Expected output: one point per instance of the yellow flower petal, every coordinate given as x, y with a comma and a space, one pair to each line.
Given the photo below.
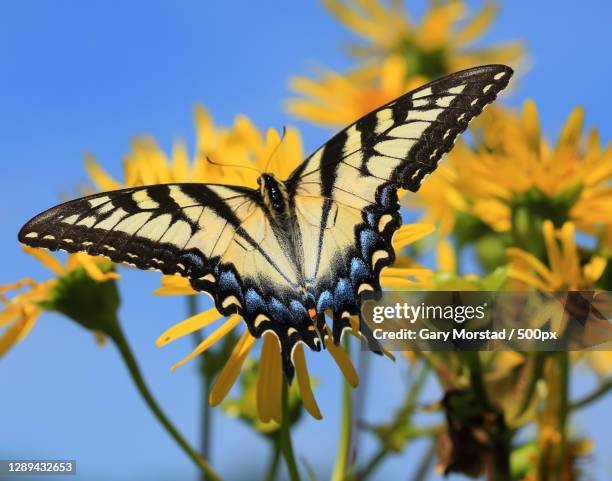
534, 263
570, 135
478, 24
31, 314
10, 335
356, 22
527, 279
275, 386
10, 313
344, 363
99, 176
531, 126
436, 28
244, 128
570, 261
211, 339
228, 375
446, 256
397, 282
406, 272
554, 254
188, 326
205, 130
303, 380
174, 286
46, 259
393, 74
180, 162
595, 268
26, 281
408, 234
93, 271
18, 330
269, 380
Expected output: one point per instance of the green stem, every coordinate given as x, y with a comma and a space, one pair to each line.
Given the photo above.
285, 434
344, 443
130, 361
594, 396
359, 398
472, 359
563, 408
423, 468
373, 463
206, 418
274, 460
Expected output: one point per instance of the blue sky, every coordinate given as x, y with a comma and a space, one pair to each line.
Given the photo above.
89, 76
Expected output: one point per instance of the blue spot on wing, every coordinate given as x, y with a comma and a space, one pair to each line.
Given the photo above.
325, 301
343, 294
367, 241
228, 281
298, 310
359, 271
254, 302
386, 196
278, 310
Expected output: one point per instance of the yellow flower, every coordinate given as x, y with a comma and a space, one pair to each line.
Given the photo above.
432, 47
243, 145
339, 99
564, 270
400, 55
512, 170
20, 313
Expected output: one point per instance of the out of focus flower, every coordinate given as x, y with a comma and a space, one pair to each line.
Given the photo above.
497, 192
432, 47
513, 172
399, 55
338, 99
564, 270
21, 312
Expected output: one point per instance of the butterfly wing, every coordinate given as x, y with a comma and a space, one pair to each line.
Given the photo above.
176, 229
217, 236
345, 193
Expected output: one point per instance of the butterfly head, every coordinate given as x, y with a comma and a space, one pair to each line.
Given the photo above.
273, 192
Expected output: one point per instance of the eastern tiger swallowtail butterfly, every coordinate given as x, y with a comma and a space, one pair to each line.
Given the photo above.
285, 253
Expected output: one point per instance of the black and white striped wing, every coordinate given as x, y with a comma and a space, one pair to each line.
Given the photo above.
345, 193
176, 229
217, 236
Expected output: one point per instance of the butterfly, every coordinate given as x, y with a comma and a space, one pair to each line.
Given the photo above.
284, 254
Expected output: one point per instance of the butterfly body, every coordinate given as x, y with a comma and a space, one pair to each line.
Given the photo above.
291, 251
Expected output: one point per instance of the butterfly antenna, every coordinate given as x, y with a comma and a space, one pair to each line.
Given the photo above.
282, 138
237, 166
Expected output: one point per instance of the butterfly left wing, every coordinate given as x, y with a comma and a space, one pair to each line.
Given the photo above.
219, 237
345, 193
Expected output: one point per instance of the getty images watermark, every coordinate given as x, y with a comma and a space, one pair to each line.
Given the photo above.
478, 321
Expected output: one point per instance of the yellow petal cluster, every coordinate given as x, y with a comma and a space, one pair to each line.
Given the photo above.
510, 157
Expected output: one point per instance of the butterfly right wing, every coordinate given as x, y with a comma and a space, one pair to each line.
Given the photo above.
345, 194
